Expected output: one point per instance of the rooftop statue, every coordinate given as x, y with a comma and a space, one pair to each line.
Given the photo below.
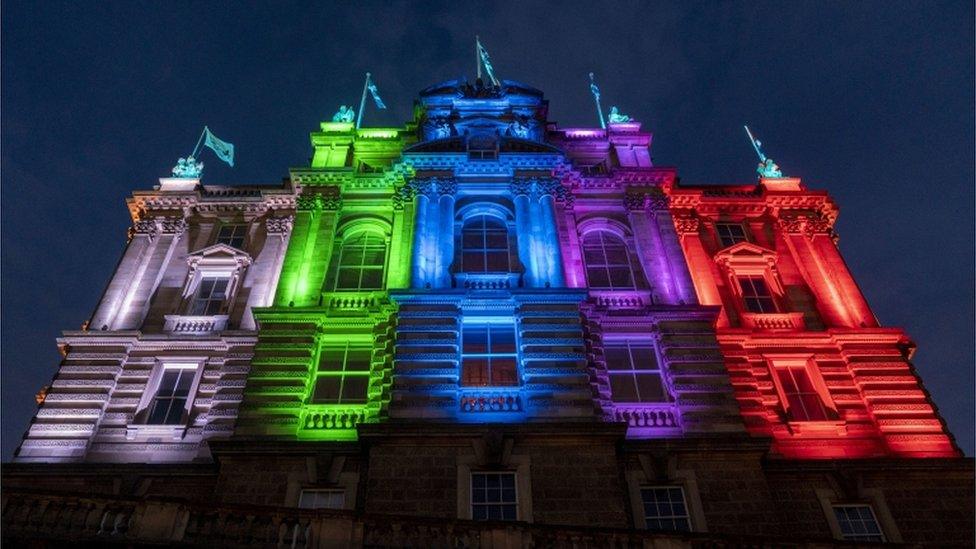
519, 127
344, 114
188, 168
766, 167
615, 117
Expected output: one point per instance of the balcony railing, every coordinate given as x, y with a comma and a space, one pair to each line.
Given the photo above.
195, 325
334, 417
773, 321
653, 416
491, 401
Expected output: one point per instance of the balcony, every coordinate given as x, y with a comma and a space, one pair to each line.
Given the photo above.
333, 421
195, 325
490, 400
779, 322
648, 419
622, 299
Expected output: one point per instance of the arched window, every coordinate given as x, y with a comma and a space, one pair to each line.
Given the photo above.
362, 259
607, 261
484, 245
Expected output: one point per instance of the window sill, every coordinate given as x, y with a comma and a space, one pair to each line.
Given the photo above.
145, 432
190, 324
818, 428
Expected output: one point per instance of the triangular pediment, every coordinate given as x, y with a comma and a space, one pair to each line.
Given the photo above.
745, 251
219, 250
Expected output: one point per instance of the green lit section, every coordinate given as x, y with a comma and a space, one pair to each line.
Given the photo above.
294, 389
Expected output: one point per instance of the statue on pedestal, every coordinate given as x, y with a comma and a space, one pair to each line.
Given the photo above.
188, 168
344, 114
615, 117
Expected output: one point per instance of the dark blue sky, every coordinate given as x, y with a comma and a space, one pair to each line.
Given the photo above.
873, 101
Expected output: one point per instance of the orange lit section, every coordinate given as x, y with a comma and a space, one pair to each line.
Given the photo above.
810, 365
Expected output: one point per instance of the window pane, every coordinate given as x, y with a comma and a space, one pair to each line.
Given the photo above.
473, 262
650, 387
354, 389
502, 340
496, 262
475, 339
372, 279
620, 277
598, 277
327, 390
643, 358
503, 371
623, 388
375, 257
358, 360
474, 371
617, 358
331, 359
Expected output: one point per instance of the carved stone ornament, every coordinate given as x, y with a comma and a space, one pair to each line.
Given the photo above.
316, 201
653, 200
686, 224
808, 225
280, 225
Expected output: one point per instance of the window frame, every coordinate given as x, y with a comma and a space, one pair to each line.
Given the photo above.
221, 306
807, 362
684, 501
628, 344
303, 491
319, 373
606, 265
365, 233
143, 410
734, 239
859, 537
243, 226
744, 299
484, 250
488, 355
515, 487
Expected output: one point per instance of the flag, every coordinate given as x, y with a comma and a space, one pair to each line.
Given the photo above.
376, 96
593, 89
487, 63
223, 149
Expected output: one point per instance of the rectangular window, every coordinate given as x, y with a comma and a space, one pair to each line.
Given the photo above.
730, 233
232, 235
174, 390
858, 523
210, 296
493, 496
755, 294
665, 508
489, 355
322, 499
802, 401
635, 375
343, 375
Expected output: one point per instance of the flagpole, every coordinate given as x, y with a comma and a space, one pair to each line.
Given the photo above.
596, 99
362, 102
204, 132
477, 54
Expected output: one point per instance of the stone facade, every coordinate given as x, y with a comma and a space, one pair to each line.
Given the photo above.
481, 329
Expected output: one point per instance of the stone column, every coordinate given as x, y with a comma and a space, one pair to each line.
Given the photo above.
830, 302
523, 229
701, 266
445, 233
421, 253
147, 276
857, 306
554, 263
650, 251
142, 239
264, 273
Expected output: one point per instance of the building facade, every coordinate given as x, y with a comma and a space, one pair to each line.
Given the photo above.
483, 329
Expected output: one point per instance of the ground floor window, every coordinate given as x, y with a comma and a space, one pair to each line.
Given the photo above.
858, 523
665, 508
322, 499
494, 496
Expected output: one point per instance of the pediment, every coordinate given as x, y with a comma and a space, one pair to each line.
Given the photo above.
219, 254
745, 252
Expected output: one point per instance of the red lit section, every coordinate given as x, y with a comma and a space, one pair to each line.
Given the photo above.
810, 365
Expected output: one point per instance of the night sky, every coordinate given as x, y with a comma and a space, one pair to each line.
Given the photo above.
873, 101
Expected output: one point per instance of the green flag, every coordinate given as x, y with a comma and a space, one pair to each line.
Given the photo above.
223, 149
